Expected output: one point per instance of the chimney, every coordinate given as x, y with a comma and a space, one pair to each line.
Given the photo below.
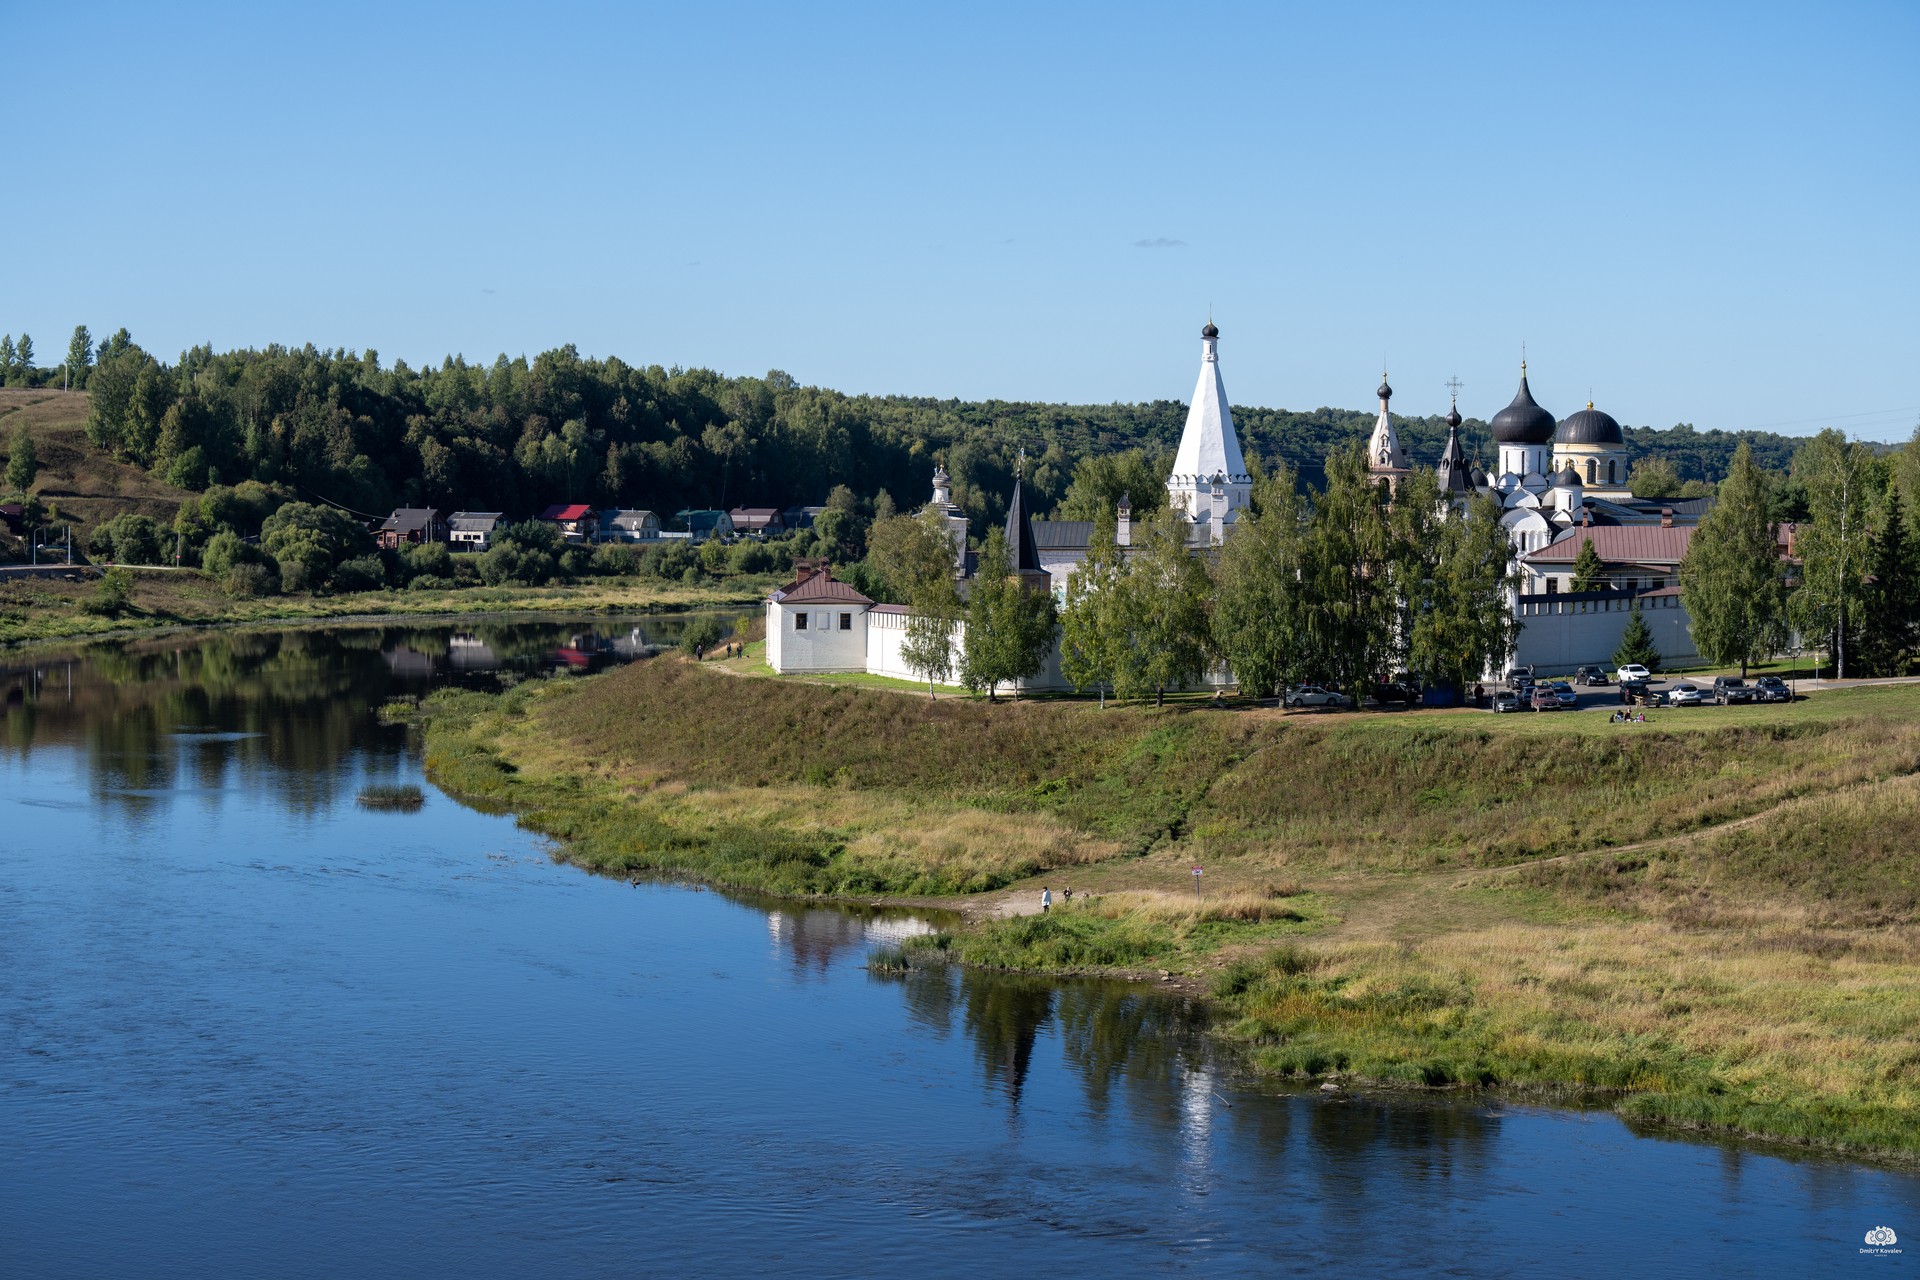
1666, 517
1123, 528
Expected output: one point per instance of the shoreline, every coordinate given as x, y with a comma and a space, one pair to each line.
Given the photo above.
1320, 981
533, 602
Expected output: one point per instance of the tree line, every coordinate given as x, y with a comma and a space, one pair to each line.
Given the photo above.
342, 427
1343, 583
1845, 577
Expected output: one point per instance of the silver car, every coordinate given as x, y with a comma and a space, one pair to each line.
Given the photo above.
1312, 695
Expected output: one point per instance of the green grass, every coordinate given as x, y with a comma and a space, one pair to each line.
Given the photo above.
1755, 979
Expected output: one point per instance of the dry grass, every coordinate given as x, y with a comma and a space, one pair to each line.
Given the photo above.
86, 485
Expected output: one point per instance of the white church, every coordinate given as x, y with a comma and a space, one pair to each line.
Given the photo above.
1558, 484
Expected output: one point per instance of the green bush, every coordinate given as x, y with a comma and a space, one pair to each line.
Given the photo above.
250, 579
127, 539
703, 634
362, 573
112, 594
612, 560
426, 559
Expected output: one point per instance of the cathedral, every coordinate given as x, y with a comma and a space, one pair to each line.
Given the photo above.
1557, 484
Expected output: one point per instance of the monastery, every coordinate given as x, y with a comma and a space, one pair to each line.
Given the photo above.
1558, 484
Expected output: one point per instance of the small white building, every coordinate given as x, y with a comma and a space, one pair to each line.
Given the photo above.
817, 624
627, 525
472, 530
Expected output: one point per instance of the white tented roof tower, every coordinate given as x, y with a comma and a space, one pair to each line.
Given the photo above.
1385, 459
1209, 456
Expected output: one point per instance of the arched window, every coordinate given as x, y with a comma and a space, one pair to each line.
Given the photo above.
1593, 471
1611, 475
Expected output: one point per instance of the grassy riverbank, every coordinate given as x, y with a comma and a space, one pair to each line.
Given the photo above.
39, 609
1710, 917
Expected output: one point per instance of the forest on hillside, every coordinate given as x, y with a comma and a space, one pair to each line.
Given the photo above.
339, 427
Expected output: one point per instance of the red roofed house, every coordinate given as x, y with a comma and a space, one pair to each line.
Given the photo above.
817, 624
577, 521
1639, 557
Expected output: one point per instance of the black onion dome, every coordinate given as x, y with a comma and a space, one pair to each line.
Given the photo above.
1591, 426
1523, 421
1385, 392
1211, 331
1453, 416
1568, 478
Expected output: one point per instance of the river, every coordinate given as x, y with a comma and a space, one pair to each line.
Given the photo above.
248, 1027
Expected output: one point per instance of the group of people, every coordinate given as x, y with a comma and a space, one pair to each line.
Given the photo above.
1624, 716
1046, 898
700, 651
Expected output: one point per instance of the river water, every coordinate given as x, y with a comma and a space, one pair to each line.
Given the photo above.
248, 1027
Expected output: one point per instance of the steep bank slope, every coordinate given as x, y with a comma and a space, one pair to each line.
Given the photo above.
1379, 903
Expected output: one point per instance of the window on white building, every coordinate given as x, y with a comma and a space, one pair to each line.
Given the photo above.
846, 622
1553, 586
799, 622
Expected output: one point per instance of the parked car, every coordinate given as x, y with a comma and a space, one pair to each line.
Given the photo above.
1564, 691
1632, 691
1728, 690
1686, 694
1399, 689
1632, 671
1544, 699
1312, 695
1772, 689
1591, 675
1507, 700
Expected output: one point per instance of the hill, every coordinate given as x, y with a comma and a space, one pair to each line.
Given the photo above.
79, 482
1708, 920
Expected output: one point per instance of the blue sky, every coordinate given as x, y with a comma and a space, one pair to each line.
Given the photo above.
1701, 213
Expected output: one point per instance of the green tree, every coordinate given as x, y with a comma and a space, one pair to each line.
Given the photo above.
1009, 624
1890, 617
1834, 541
128, 538
23, 463
79, 357
21, 373
914, 559
310, 542
1262, 624
1589, 570
1655, 477
1164, 598
1092, 626
1636, 644
1461, 624
1730, 581
1347, 573
7, 356
1100, 480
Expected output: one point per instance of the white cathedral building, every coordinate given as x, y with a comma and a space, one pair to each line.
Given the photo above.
1558, 484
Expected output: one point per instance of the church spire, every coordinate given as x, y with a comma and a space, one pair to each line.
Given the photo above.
1208, 445
1385, 458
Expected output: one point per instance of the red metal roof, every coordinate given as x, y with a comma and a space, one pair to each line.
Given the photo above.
821, 588
567, 511
1619, 544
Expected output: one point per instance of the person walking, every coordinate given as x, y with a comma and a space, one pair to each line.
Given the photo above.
1046, 900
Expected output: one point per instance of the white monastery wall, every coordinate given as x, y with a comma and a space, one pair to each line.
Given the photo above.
1560, 635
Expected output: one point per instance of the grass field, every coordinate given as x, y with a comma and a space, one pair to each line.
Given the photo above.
1709, 917
83, 484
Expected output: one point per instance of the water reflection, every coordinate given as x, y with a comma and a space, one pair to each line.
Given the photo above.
292, 711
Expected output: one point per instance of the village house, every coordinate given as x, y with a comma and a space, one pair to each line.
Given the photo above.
702, 525
800, 517
410, 526
472, 530
629, 525
760, 522
576, 521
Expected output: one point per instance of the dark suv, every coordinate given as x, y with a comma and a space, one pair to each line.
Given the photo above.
1728, 690
1772, 689
1592, 675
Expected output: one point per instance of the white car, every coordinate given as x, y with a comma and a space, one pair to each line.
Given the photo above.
1686, 695
1632, 671
1312, 695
